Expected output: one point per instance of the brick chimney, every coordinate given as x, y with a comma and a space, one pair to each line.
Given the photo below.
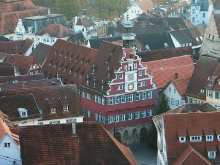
176, 75
74, 129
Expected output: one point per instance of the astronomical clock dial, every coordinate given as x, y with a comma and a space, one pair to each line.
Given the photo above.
130, 86
130, 77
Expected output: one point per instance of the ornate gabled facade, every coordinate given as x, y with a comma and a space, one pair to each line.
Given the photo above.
117, 91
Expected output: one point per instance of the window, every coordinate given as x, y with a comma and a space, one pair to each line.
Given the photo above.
143, 95
100, 118
216, 95
117, 100
55, 122
218, 137
137, 96
88, 96
182, 139
130, 116
143, 114
53, 110
211, 154
120, 76
134, 132
122, 117
89, 113
195, 138
122, 99
193, 19
126, 134
125, 67
135, 65
96, 116
96, 98
172, 101
143, 83
141, 73
169, 89
177, 102
193, 11
70, 120
189, 100
150, 94
209, 94
130, 98
168, 100
65, 108
110, 101
119, 87
99, 99
209, 138
136, 115
103, 101
117, 118
203, 14
174, 90
7, 145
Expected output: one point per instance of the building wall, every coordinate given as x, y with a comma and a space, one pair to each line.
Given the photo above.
190, 99
174, 98
133, 12
212, 99
12, 152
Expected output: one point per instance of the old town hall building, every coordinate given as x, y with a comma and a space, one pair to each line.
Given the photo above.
117, 92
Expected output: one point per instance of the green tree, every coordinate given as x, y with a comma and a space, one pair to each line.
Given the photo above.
152, 134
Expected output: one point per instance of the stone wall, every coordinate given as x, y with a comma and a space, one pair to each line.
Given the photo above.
131, 139
211, 41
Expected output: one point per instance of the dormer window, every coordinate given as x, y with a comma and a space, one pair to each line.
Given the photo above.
195, 138
211, 154
65, 108
209, 134
182, 136
211, 150
218, 137
53, 110
209, 138
195, 135
23, 112
182, 139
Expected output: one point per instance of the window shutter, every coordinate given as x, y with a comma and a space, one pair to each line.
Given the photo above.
126, 116
113, 118
217, 95
119, 99
140, 96
145, 83
106, 120
120, 118
146, 95
133, 115
113, 101
152, 94
141, 114
126, 98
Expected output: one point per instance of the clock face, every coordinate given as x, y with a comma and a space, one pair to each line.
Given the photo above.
130, 86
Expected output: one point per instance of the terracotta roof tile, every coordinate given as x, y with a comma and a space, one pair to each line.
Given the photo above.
55, 30
92, 145
69, 60
84, 22
181, 84
145, 5
182, 133
42, 96
16, 47
204, 68
194, 123
165, 70
211, 146
190, 156
17, 10
164, 53
4, 79
176, 6
23, 63
208, 131
6, 69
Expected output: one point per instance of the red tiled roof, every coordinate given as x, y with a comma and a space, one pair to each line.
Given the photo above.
190, 156
145, 5
11, 12
69, 60
181, 84
176, 6
37, 98
55, 30
30, 84
38, 76
16, 47
6, 69
23, 63
92, 145
164, 70
84, 22
192, 122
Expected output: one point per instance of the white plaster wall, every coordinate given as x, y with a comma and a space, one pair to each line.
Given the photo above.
175, 42
12, 152
174, 96
132, 12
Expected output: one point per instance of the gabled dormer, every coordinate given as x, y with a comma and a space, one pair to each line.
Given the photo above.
209, 134
65, 103
52, 105
195, 135
23, 112
182, 136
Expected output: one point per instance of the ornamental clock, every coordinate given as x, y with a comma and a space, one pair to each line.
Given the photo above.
130, 86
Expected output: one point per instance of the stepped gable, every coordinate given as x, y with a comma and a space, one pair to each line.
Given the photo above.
55, 30
204, 69
16, 47
92, 144
102, 70
22, 63
11, 12
44, 98
164, 53
69, 60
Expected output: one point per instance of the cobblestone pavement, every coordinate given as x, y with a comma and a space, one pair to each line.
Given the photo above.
143, 154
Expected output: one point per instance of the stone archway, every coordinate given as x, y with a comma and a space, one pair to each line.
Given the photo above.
143, 134
118, 136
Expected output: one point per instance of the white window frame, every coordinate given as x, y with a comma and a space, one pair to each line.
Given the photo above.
96, 116
168, 100
7, 145
122, 117
65, 108
172, 101
209, 138
211, 154
100, 118
123, 99
53, 110
141, 73
130, 98
88, 96
144, 95
182, 139
117, 118
125, 67
130, 116
135, 65
103, 101
110, 101
137, 96
99, 99
195, 138
136, 115
143, 114
96, 98
89, 113
120, 76
209, 94
117, 100
150, 94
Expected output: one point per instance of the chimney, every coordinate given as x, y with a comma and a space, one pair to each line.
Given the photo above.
74, 129
176, 75
48, 11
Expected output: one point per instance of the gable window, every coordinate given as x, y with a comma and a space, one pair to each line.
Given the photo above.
172, 101
110, 101
125, 67
135, 65
7, 145
209, 94
177, 102
209, 138
169, 89
168, 100
120, 76
117, 100
65, 108
174, 90
141, 73
23, 112
122, 99
53, 110
130, 98
182, 139
117, 118
119, 87
195, 138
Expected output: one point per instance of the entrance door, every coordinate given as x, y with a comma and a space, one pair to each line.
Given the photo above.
118, 136
143, 135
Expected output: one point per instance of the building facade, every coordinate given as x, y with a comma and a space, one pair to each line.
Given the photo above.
120, 95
